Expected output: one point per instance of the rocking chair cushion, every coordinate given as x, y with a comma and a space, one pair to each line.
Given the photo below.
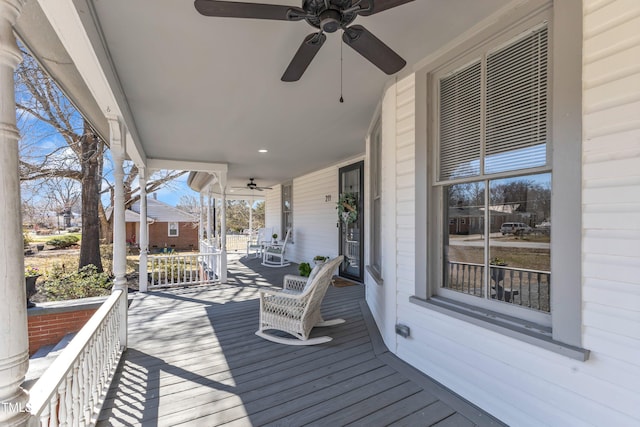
272, 250
312, 275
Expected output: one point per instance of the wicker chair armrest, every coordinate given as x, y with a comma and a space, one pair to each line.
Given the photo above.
295, 283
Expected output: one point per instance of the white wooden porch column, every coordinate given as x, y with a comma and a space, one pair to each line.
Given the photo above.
223, 228
251, 218
210, 220
117, 145
14, 347
144, 230
201, 222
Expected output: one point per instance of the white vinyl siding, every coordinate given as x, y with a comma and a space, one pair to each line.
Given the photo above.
405, 256
398, 208
314, 202
611, 199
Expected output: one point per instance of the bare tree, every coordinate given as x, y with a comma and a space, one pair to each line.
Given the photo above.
58, 143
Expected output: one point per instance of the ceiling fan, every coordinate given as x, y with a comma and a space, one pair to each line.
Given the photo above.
251, 185
326, 15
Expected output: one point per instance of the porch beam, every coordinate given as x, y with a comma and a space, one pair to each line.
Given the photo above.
144, 230
14, 351
117, 144
186, 165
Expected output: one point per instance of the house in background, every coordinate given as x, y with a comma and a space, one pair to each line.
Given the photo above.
169, 227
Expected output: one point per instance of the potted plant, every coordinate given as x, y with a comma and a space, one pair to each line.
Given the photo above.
31, 274
304, 269
275, 237
320, 259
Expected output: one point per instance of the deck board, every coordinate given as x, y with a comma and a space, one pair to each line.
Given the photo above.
193, 359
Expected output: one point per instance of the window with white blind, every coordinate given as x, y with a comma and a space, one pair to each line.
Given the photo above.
494, 177
493, 112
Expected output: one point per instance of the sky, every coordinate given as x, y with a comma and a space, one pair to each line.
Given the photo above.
171, 195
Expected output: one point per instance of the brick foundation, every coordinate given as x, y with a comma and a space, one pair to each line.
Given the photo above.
49, 322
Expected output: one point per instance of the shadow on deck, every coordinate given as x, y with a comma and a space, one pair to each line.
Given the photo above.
193, 359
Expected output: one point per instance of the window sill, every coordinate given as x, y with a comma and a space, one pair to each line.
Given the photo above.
375, 275
510, 326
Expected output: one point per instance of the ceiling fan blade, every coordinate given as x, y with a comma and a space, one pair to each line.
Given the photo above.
303, 57
376, 6
232, 9
373, 49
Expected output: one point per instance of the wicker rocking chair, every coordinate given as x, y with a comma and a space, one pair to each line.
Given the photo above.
296, 308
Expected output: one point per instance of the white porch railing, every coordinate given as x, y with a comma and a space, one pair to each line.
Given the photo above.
237, 242
209, 247
183, 269
71, 392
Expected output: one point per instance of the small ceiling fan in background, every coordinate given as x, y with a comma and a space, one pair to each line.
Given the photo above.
326, 15
251, 185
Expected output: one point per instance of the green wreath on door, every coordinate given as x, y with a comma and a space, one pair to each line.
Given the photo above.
348, 208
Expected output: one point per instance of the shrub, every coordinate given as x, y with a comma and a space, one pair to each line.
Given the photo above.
60, 285
63, 241
304, 269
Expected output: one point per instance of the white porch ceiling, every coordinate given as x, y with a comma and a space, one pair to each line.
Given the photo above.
204, 89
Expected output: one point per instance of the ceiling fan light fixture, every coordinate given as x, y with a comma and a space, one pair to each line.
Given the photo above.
330, 20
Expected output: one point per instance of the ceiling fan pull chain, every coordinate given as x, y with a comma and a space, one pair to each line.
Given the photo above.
341, 98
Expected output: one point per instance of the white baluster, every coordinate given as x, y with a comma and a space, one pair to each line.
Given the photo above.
94, 375
53, 408
75, 404
62, 402
45, 416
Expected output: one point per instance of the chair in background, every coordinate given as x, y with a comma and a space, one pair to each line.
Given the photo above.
296, 308
262, 239
273, 254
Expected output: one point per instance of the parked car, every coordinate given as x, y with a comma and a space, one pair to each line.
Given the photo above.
515, 228
544, 225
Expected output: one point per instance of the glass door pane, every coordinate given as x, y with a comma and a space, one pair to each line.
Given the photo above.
351, 216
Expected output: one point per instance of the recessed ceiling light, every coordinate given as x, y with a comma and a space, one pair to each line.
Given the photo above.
263, 151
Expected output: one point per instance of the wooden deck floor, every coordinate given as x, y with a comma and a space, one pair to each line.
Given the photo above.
193, 359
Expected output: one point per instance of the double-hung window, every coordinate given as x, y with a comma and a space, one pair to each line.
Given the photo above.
173, 229
287, 208
493, 177
375, 257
